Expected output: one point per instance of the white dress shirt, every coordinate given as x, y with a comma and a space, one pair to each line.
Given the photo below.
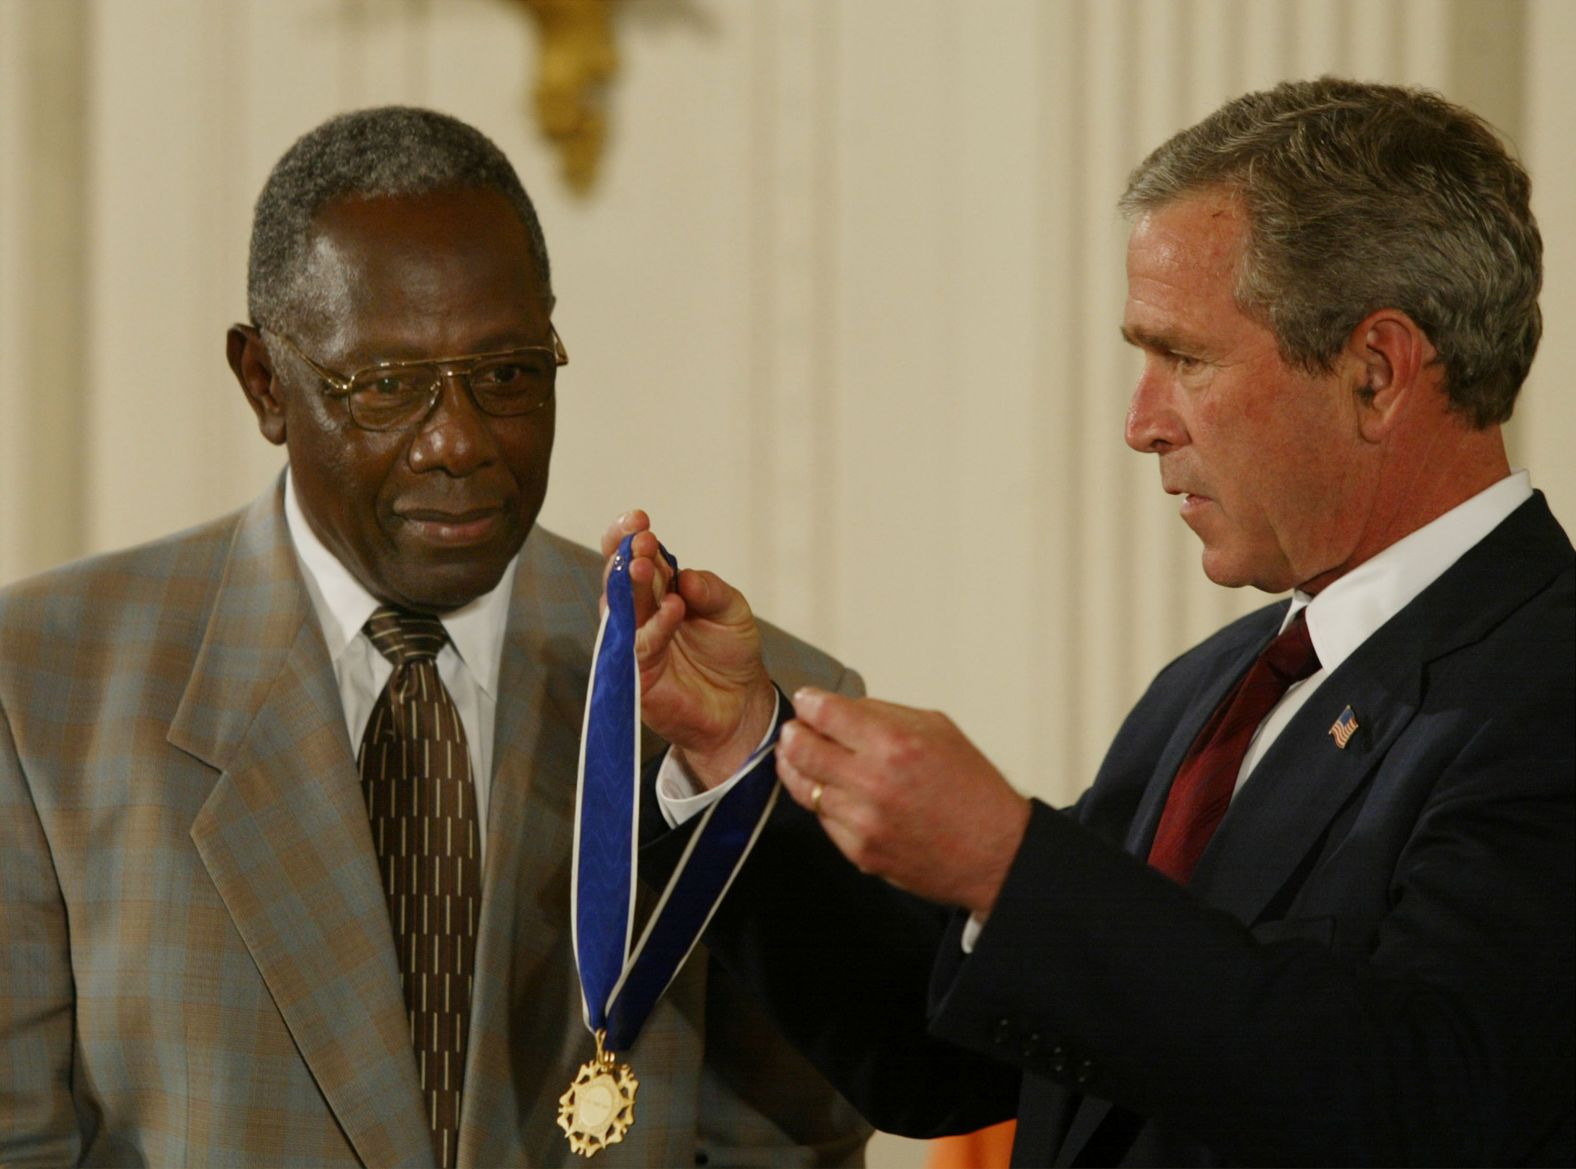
468, 664
680, 795
1352, 608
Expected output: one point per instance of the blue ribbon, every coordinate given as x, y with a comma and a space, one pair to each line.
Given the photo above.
621, 984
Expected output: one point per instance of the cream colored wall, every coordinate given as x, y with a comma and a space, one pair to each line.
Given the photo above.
1544, 431
842, 312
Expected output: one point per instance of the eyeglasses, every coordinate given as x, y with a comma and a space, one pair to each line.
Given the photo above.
393, 395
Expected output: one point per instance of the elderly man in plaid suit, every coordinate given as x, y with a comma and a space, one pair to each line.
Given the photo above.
198, 919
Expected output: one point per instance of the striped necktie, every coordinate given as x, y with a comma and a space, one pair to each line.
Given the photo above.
416, 776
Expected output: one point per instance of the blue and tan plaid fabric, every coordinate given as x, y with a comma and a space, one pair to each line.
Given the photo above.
196, 961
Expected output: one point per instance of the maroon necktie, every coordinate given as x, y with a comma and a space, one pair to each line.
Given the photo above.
416, 776
1204, 784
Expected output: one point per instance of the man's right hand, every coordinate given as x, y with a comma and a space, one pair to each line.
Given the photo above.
704, 687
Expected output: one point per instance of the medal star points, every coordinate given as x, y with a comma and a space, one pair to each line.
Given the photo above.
599, 1106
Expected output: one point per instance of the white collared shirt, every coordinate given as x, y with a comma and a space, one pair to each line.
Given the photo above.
680, 795
1353, 607
468, 664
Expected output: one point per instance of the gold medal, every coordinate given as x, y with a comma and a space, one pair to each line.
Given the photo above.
600, 1104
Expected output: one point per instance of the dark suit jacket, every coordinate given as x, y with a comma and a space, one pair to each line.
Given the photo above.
196, 963
1373, 964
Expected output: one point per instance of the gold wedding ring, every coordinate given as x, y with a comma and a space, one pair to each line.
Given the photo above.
815, 798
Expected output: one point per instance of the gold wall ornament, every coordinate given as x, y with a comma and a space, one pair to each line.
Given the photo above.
576, 62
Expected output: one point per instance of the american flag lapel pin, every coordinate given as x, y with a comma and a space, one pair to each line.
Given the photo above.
1343, 728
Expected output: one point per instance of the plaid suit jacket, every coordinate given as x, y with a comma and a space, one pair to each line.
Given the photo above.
196, 964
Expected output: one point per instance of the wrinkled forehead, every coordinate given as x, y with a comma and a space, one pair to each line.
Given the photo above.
412, 271
1206, 232
1187, 252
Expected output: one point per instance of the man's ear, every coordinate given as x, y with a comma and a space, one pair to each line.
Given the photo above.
1396, 360
254, 369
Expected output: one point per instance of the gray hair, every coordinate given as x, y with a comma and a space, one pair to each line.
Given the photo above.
389, 151
1361, 197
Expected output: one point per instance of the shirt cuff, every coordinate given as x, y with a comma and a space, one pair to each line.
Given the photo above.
680, 795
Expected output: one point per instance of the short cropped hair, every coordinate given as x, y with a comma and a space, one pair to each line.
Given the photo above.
1360, 197
389, 151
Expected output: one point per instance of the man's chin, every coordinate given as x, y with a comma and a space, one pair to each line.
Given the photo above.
1221, 574
436, 584
430, 595
1233, 572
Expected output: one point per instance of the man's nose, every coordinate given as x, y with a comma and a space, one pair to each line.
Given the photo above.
455, 436
1153, 425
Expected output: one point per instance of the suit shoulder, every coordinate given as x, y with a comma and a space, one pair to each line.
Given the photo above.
103, 598
793, 662
1519, 661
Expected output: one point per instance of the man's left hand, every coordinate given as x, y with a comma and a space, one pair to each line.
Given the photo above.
904, 795
703, 684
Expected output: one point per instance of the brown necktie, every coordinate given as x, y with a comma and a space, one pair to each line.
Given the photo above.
1208, 775
416, 776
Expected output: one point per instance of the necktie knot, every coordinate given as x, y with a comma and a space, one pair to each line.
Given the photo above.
404, 637
1291, 656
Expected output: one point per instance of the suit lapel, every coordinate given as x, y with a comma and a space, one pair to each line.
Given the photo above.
1304, 780
1234, 663
1281, 814
526, 1036
285, 840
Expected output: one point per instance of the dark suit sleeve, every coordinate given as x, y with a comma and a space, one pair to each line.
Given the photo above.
841, 963
1409, 1003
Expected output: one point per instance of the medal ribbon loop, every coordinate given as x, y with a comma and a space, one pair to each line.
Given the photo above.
621, 984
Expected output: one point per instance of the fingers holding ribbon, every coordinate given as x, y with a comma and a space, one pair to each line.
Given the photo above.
634, 520
652, 572
703, 684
